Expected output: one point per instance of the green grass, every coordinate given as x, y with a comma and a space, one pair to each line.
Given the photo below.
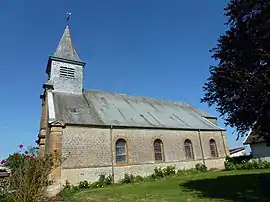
211, 186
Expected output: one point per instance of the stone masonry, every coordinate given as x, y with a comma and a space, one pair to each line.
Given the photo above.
88, 151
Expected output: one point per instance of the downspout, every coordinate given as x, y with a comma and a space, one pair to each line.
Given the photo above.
224, 145
199, 132
112, 156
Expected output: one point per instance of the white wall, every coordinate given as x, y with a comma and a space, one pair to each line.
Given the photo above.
260, 150
240, 153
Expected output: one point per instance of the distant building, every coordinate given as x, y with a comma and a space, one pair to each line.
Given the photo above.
4, 172
111, 133
258, 146
240, 151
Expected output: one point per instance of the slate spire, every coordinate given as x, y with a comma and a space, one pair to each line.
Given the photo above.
65, 48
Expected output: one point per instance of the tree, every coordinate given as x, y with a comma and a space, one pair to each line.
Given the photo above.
239, 85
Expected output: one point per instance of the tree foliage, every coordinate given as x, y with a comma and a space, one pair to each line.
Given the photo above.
239, 85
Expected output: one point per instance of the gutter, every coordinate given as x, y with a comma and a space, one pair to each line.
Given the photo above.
112, 156
141, 127
199, 133
224, 145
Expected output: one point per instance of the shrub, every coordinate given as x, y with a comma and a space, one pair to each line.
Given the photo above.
128, 178
239, 159
169, 170
84, 185
244, 163
158, 173
229, 165
213, 169
139, 178
3, 188
187, 172
201, 167
68, 190
102, 181
29, 174
265, 164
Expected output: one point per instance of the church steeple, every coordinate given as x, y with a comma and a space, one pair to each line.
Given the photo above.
65, 68
65, 48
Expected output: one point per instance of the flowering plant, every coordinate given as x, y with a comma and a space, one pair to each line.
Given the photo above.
29, 174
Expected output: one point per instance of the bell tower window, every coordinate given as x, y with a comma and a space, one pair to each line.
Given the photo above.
67, 72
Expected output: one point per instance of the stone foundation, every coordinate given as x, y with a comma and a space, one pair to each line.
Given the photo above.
74, 176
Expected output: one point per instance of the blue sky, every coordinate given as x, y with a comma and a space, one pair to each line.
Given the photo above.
153, 48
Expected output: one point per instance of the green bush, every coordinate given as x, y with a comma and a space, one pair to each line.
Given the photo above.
102, 181
158, 173
139, 178
169, 170
239, 159
84, 185
230, 165
128, 178
187, 172
245, 163
68, 190
201, 167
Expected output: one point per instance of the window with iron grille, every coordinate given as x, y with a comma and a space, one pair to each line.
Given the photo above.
213, 148
120, 148
67, 72
188, 149
158, 150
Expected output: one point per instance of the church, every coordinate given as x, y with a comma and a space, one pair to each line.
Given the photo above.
99, 132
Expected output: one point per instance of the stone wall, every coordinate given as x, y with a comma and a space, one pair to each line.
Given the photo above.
88, 151
43, 129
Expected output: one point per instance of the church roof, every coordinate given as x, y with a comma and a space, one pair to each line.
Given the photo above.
102, 108
65, 48
254, 137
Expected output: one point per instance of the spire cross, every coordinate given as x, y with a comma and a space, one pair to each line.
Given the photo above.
68, 17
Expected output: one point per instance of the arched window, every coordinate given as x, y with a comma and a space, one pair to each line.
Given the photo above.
121, 148
158, 150
188, 149
213, 148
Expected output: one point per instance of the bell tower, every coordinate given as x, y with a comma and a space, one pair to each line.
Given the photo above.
65, 68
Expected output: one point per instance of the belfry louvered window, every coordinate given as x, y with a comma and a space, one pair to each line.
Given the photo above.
67, 72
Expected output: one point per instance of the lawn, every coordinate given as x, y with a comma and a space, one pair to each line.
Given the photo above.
211, 186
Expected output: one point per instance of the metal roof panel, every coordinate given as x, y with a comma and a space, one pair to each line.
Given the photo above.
102, 108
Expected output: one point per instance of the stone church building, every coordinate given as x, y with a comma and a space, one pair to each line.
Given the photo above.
111, 133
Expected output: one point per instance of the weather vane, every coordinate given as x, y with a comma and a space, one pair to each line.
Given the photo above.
68, 17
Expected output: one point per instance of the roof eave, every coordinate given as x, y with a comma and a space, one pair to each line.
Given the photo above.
67, 61
141, 127
253, 142
81, 63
